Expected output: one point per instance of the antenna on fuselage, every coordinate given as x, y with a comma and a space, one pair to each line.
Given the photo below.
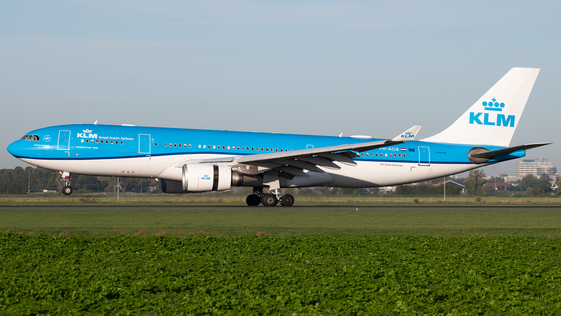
95, 123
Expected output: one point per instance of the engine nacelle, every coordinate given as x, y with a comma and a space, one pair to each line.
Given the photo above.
203, 178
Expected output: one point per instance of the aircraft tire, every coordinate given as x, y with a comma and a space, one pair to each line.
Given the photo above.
253, 200
67, 190
269, 200
287, 200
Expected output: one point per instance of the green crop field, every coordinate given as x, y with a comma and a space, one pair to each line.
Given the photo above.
321, 275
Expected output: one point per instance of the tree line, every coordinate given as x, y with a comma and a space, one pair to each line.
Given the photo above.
20, 180
530, 184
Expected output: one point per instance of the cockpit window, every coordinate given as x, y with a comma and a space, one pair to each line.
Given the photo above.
31, 137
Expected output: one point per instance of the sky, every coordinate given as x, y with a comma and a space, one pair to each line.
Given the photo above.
306, 67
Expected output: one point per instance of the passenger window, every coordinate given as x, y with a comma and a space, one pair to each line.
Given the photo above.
121, 142
155, 144
404, 156
111, 142
165, 144
189, 145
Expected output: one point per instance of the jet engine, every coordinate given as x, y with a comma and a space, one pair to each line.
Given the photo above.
203, 178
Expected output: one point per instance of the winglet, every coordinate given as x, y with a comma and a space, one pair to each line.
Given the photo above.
408, 135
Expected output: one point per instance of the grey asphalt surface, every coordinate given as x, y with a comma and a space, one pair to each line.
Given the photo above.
280, 208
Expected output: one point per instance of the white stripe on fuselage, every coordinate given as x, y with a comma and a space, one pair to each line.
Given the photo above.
363, 174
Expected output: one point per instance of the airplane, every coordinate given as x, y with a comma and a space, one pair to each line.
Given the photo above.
195, 160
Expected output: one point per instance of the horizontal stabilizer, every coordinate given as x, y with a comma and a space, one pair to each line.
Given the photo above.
494, 153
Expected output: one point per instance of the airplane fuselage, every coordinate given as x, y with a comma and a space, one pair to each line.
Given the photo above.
154, 152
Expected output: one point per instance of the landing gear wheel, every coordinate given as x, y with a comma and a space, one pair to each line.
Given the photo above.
269, 200
67, 190
287, 200
253, 200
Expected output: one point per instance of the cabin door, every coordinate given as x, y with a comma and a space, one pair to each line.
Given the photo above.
424, 156
63, 140
144, 144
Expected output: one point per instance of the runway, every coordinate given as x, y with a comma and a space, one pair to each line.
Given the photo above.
279, 208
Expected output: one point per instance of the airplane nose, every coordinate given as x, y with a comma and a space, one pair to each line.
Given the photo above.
15, 149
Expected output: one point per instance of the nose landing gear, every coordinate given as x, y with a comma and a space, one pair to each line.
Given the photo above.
66, 189
268, 199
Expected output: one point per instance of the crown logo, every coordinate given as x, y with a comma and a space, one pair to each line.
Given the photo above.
86, 131
493, 105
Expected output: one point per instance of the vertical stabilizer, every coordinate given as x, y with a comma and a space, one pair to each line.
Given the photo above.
493, 119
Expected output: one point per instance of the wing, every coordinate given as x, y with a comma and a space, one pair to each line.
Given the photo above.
292, 163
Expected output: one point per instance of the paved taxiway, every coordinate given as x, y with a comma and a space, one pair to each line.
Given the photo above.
279, 208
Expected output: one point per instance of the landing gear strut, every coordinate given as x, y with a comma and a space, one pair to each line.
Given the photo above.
268, 199
66, 189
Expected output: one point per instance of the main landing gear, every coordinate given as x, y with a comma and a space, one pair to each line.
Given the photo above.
268, 199
66, 189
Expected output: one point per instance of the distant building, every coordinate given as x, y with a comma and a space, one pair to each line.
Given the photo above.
512, 178
537, 167
387, 189
498, 185
459, 183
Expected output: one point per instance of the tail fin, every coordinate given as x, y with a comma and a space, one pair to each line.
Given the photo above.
492, 120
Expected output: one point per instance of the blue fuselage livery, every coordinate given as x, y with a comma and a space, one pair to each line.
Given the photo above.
193, 160
107, 142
